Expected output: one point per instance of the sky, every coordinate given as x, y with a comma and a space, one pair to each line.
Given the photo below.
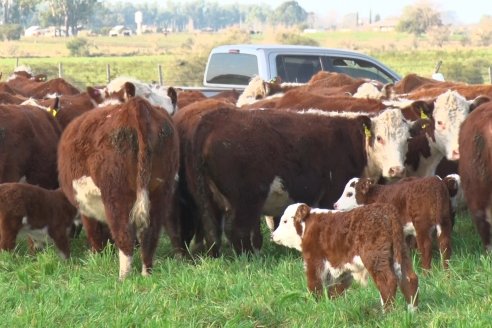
466, 11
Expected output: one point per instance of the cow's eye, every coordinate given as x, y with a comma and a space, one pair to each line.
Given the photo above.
439, 122
379, 139
350, 194
285, 221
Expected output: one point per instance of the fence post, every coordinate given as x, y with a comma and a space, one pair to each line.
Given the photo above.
490, 74
159, 69
438, 66
60, 70
108, 73
17, 62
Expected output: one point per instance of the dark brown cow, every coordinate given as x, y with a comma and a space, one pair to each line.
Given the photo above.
340, 246
475, 169
248, 163
28, 141
118, 165
186, 97
423, 205
412, 81
38, 212
9, 98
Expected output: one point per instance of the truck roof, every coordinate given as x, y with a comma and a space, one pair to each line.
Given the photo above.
275, 47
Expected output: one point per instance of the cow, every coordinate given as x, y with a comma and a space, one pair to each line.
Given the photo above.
475, 169
412, 81
258, 89
23, 82
118, 89
246, 163
28, 145
423, 205
118, 165
339, 247
40, 213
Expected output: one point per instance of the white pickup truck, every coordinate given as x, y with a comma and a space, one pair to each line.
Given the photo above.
232, 66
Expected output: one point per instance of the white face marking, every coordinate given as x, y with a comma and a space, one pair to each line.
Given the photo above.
368, 91
450, 110
254, 91
88, 197
409, 229
347, 201
278, 198
387, 155
125, 264
286, 233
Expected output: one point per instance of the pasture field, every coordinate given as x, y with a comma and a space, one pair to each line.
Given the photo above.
263, 290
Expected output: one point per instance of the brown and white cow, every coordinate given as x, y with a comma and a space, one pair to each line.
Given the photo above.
475, 169
40, 213
423, 205
340, 246
242, 164
118, 164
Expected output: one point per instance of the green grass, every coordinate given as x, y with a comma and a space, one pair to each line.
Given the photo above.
264, 290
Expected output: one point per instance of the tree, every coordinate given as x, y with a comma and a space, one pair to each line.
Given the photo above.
438, 35
70, 13
18, 11
418, 19
289, 13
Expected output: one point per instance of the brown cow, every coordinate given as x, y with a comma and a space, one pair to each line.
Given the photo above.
28, 141
340, 246
118, 165
475, 169
248, 163
423, 205
38, 212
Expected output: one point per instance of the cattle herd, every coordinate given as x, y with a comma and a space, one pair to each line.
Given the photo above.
351, 172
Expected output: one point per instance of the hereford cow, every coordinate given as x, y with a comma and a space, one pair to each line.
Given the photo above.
118, 90
246, 163
423, 205
28, 143
340, 246
38, 212
258, 89
475, 169
118, 164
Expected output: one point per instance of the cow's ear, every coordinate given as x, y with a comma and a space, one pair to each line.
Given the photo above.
129, 89
95, 94
366, 126
388, 91
420, 109
301, 213
173, 95
478, 101
452, 185
365, 185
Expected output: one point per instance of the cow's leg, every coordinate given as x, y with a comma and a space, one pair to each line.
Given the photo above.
314, 279
408, 282
245, 234
444, 239
386, 282
60, 238
169, 211
338, 287
8, 232
96, 232
424, 244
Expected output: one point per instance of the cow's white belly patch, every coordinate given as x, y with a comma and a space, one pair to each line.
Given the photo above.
356, 268
277, 200
88, 197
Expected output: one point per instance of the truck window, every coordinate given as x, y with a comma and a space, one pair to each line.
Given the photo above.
231, 68
358, 68
297, 68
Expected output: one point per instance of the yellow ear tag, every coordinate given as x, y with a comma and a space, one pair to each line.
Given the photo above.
423, 115
52, 111
367, 131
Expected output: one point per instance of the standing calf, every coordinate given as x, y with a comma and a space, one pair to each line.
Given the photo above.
339, 246
423, 206
39, 212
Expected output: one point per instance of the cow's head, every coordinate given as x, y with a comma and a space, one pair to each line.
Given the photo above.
387, 144
347, 200
453, 183
291, 227
450, 110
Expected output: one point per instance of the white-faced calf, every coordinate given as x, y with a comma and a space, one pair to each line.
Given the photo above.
40, 213
340, 246
423, 206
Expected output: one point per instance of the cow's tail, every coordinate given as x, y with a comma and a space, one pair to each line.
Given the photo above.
141, 208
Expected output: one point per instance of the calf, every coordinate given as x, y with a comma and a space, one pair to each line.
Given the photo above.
423, 204
339, 246
38, 212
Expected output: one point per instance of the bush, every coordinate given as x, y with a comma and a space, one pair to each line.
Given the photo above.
10, 32
471, 71
78, 47
295, 38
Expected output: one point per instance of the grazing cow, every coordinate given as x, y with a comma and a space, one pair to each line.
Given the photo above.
118, 165
119, 89
38, 212
24, 83
247, 163
475, 169
28, 143
423, 205
340, 246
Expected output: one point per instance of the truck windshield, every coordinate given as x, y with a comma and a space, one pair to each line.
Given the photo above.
231, 68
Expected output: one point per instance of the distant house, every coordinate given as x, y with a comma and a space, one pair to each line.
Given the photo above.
120, 30
388, 24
